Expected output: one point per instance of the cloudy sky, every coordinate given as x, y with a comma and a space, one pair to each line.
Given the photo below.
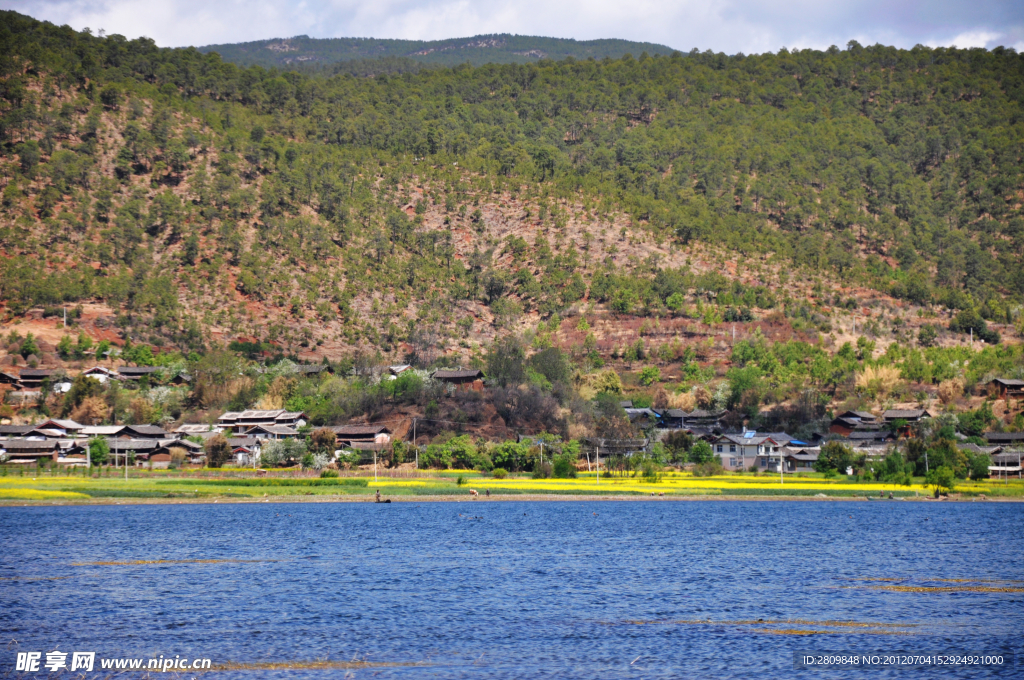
749, 26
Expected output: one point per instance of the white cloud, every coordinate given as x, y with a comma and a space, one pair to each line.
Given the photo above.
978, 38
749, 26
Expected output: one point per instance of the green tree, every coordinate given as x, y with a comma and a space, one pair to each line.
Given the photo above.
29, 346
701, 453
941, 479
834, 456
99, 450
506, 361
649, 374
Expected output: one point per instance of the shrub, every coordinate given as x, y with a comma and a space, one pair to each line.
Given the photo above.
564, 466
879, 381
499, 473
325, 474
178, 456
950, 389
323, 439
460, 480
649, 375
651, 474
218, 451
542, 470
685, 401
709, 469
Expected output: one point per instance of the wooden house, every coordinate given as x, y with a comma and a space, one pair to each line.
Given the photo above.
463, 379
848, 421
1007, 388
33, 378
351, 435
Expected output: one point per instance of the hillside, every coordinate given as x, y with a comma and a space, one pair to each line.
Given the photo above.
477, 50
755, 227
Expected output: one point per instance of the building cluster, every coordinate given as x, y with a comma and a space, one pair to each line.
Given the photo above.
865, 432
66, 442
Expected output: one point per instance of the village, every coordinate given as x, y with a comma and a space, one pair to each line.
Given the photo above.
244, 435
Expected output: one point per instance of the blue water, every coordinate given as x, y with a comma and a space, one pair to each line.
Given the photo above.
513, 589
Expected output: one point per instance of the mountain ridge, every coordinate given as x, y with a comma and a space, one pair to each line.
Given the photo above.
498, 48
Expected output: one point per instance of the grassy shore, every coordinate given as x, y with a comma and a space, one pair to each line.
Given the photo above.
238, 485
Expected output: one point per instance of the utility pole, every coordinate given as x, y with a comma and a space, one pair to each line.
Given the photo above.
414, 444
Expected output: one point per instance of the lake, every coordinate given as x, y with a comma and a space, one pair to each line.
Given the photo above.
657, 589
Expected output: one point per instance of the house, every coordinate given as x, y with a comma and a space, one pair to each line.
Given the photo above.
1006, 463
673, 418
848, 421
101, 374
181, 378
28, 451
246, 449
626, 404
862, 438
1005, 438
703, 418
101, 430
241, 422
15, 430
63, 428
740, 451
349, 435
146, 451
8, 379
1007, 388
798, 459
197, 429
644, 417
145, 432
33, 378
909, 415
470, 379
399, 369
137, 372
313, 369
271, 432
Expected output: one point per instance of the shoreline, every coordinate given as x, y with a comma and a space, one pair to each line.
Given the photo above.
521, 498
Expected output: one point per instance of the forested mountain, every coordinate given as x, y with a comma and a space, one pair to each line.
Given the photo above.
478, 50
428, 209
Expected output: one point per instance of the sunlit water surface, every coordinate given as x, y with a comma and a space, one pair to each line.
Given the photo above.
516, 590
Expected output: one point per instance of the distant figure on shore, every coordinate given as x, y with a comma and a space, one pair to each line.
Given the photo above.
378, 495
487, 492
890, 495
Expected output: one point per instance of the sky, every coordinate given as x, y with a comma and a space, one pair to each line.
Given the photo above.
730, 26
